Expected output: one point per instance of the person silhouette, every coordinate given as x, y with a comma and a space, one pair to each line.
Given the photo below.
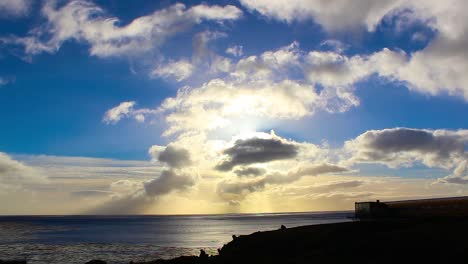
203, 254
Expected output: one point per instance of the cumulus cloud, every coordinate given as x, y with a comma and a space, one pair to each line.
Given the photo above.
397, 147
437, 69
332, 15
257, 150
256, 85
84, 21
249, 171
404, 146
276, 178
14, 8
169, 181
173, 156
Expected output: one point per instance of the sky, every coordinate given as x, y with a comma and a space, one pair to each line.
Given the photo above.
248, 106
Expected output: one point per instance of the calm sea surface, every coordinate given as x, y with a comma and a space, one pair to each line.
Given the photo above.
120, 239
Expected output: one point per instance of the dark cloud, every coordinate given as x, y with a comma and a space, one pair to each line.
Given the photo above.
319, 169
454, 180
141, 200
277, 178
175, 157
256, 150
167, 182
402, 145
249, 172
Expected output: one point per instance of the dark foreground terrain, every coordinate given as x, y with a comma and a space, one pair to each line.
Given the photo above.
384, 241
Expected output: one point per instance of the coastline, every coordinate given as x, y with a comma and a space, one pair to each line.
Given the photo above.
425, 240
383, 241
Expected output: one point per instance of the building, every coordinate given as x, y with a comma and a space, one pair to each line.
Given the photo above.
434, 207
371, 209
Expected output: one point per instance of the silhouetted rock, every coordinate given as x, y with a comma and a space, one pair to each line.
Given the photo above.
283, 227
386, 241
178, 260
96, 261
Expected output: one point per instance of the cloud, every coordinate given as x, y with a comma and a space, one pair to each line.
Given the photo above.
276, 178
334, 45
257, 150
83, 21
256, 85
236, 50
334, 69
204, 62
404, 146
169, 181
125, 109
332, 15
5, 80
129, 204
398, 147
249, 171
321, 189
14, 173
173, 156
89, 170
114, 115
90, 193
125, 186
14, 8
439, 68
179, 70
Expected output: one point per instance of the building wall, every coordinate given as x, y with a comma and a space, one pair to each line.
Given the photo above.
437, 207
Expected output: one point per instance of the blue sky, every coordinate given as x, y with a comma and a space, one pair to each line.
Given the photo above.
376, 89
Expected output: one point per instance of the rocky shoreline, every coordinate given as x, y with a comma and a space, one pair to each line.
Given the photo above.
383, 241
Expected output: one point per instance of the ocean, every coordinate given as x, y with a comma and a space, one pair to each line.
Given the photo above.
121, 239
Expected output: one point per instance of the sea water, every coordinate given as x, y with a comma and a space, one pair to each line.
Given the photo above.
121, 239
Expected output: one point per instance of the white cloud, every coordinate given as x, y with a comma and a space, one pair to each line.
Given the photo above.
15, 174
125, 109
235, 50
114, 115
332, 15
179, 70
437, 69
84, 21
14, 8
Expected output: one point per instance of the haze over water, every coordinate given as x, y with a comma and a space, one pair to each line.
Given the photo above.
120, 239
